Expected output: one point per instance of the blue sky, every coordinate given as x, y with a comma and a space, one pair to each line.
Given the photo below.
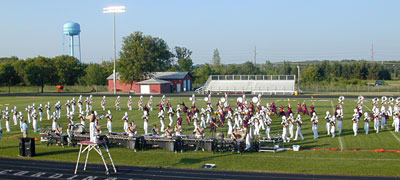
291, 30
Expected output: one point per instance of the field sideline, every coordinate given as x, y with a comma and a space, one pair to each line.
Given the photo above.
344, 162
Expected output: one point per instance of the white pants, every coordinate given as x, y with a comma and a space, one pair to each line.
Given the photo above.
48, 114
145, 127
262, 125
284, 137
92, 129
298, 133
203, 123
396, 125
130, 107
366, 127
328, 127
109, 126
256, 129
195, 126
54, 125
267, 130
355, 128
15, 120
376, 125
8, 126
73, 109
248, 144
34, 125
236, 123
208, 118
104, 107
126, 127
291, 128
315, 130
383, 124
171, 120
58, 113
67, 111
80, 107
162, 125
333, 129
29, 118
340, 126
40, 116
230, 128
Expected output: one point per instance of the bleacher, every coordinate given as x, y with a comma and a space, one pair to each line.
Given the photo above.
250, 84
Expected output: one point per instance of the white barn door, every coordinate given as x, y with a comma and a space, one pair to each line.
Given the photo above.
145, 89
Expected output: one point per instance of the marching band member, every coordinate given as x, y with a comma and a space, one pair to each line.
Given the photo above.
92, 127
261, 119
109, 121
67, 106
82, 118
163, 102
40, 108
328, 122
155, 131
24, 129
213, 124
103, 103
73, 103
140, 103
34, 120
284, 124
377, 120
339, 118
161, 117
58, 109
129, 103
145, 118
168, 132
54, 121
305, 110
80, 103
333, 124
396, 119
1, 117
132, 129
298, 130
256, 126
195, 119
314, 120
70, 127
202, 118
268, 122
247, 135
118, 104
312, 109
21, 120
236, 119
355, 124
291, 125
48, 110
150, 103
7, 119
28, 113
15, 113
91, 102
71, 117
87, 102
125, 118
199, 133
367, 118
230, 127
208, 111
178, 129
171, 115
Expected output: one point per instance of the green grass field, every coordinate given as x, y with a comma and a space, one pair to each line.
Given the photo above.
303, 162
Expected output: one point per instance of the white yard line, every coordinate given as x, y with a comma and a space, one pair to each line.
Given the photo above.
394, 135
340, 138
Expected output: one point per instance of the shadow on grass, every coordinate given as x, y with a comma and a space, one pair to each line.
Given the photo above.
8, 147
57, 152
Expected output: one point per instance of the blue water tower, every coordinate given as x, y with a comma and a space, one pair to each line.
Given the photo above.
72, 29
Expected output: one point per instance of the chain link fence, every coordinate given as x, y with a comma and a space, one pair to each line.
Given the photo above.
326, 89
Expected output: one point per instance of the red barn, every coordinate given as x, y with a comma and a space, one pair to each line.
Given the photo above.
161, 82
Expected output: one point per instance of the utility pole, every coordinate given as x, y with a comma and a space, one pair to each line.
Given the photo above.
372, 53
255, 55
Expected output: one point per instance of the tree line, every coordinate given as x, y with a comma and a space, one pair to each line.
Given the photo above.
141, 55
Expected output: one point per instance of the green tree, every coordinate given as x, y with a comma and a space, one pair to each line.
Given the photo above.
69, 69
141, 55
8, 75
286, 68
96, 74
40, 71
203, 73
185, 62
216, 61
310, 74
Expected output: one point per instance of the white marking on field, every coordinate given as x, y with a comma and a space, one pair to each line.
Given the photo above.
340, 138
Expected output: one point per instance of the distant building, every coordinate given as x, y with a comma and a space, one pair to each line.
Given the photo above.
161, 82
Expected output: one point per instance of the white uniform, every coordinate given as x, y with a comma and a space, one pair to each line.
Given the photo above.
291, 125
170, 116
314, 119
328, 122
48, 110
284, 130
366, 122
333, 128
396, 123
355, 124
109, 121
298, 130
161, 117
34, 120
126, 123
268, 127
377, 122
145, 123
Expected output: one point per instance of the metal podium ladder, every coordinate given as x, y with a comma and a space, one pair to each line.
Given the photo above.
97, 147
